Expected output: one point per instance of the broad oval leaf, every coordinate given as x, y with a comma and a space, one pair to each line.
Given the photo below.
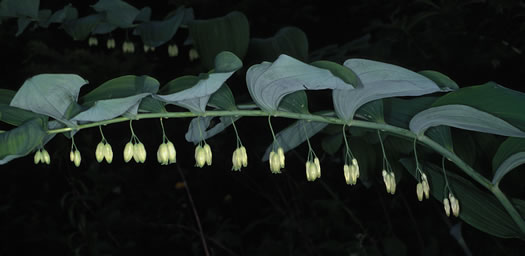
79, 29
440, 79
196, 98
49, 94
291, 41
19, 8
156, 33
269, 82
118, 12
492, 98
111, 108
228, 33
478, 208
121, 87
398, 112
380, 80
294, 135
223, 99
199, 128
151, 105
21, 141
296, 102
6, 96
116, 97
463, 117
510, 154
144, 14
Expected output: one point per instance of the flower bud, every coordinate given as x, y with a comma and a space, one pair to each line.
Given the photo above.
99, 152
419, 191
72, 155
193, 54
426, 189
45, 157
78, 158
280, 153
163, 154
173, 50
447, 206
237, 160
275, 162
200, 156
146, 48
348, 175
454, 204
38, 157
392, 183
128, 152
142, 152
317, 168
207, 152
108, 153
386, 180
172, 154
310, 171
136, 153
354, 172
244, 157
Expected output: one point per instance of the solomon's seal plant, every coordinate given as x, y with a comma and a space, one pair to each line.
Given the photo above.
367, 98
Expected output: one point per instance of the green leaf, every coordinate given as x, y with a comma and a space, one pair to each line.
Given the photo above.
118, 13
16, 116
478, 208
197, 133
43, 17
291, 41
21, 141
109, 109
441, 134
372, 111
296, 102
6, 96
121, 87
156, 33
269, 82
228, 33
196, 98
116, 97
294, 135
19, 8
510, 154
463, 117
380, 80
13, 115
49, 94
79, 29
65, 14
223, 99
489, 108
103, 28
398, 112
151, 105
440, 79
22, 22
347, 75
144, 14
332, 143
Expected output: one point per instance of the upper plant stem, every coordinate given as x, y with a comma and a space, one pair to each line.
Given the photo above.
334, 120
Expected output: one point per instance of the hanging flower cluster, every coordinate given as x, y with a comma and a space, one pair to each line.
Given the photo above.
42, 156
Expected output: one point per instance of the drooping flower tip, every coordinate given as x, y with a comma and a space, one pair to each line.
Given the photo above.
173, 50
172, 153
99, 152
163, 154
446, 205
108, 153
275, 162
38, 157
419, 191
45, 157
200, 156
128, 152
454, 204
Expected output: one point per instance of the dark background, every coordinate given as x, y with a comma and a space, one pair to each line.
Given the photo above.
137, 209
